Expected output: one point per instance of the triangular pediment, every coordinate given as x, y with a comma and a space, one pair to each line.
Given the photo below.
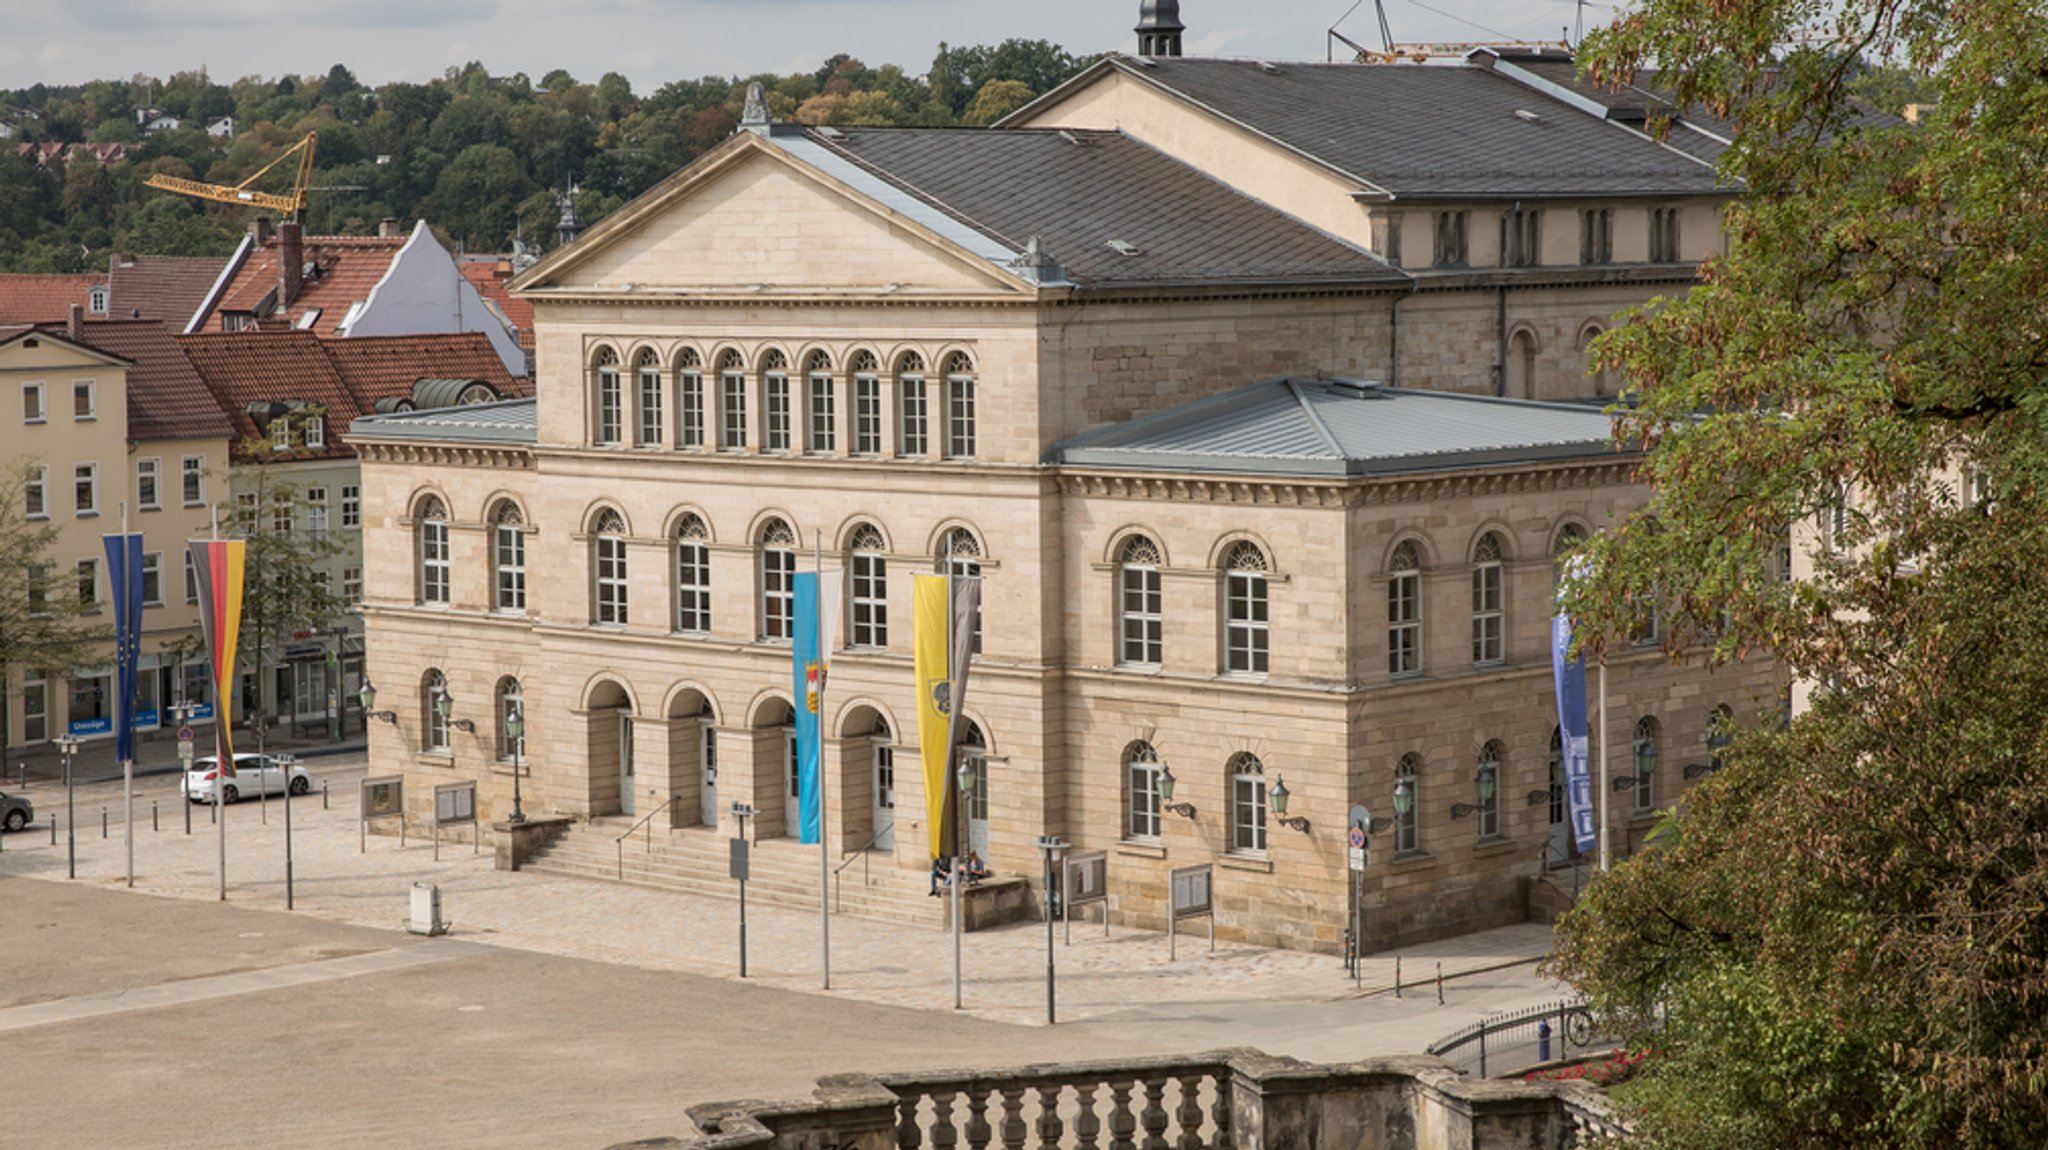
44, 350
749, 218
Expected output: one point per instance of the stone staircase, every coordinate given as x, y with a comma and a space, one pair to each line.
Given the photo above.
696, 860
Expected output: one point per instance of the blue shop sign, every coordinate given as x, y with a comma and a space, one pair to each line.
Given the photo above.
87, 727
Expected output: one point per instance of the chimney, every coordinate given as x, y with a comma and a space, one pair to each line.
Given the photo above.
387, 228
1159, 28
291, 263
74, 324
259, 228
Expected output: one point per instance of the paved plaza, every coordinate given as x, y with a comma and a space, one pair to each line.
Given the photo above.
575, 1012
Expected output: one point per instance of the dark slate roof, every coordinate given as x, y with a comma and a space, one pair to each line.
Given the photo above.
167, 399
1079, 191
1338, 429
1433, 132
164, 288
507, 421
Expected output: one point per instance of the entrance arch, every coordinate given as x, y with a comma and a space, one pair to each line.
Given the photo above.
775, 778
693, 756
608, 711
868, 764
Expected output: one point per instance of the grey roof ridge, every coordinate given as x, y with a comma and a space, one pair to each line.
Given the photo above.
953, 214
1314, 420
1170, 417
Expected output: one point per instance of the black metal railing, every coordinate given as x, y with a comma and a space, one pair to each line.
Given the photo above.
1511, 1042
647, 822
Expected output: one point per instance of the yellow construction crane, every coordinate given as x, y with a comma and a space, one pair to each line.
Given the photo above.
241, 193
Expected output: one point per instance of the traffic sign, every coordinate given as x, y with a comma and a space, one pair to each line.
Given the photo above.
1357, 858
1357, 837
184, 734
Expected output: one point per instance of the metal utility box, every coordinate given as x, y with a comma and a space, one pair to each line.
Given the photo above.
426, 910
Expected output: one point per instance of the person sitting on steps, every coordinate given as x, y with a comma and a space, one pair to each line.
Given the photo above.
976, 869
942, 872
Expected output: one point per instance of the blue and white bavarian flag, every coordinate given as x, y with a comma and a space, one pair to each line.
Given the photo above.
1570, 675
816, 610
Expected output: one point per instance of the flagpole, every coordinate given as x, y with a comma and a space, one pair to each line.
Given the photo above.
127, 710
220, 754
1603, 760
952, 793
824, 832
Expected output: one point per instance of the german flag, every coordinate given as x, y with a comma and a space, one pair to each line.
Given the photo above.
218, 565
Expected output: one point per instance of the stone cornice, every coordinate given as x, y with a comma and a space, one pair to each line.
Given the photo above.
442, 453
1361, 492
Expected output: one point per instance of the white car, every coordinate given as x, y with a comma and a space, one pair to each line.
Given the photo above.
254, 775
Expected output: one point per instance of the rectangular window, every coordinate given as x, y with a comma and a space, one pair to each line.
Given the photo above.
1664, 235
1245, 636
693, 587
867, 414
648, 426
36, 493
733, 410
89, 583
1450, 240
33, 408
1486, 613
959, 418
778, 594
147, 472
611, 580
916, 425
1596, 236
316, 518
85, 488
281, 514
35, 711
870, 600
1404, 623
690, 402
1144, 791
191, 579
1520, 241
1248, 813
40, 576
245, 512
351, 506
775, 411
280, 434
352, 585
1142, 628
434, 561
193, 476
153, 579
609, 402
316, 432
824, 416
84, 400
509, 555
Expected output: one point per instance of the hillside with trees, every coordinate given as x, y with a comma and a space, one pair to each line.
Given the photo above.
480, 157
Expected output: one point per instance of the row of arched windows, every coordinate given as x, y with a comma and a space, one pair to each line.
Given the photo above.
1489, 599
1141, 628
848, 407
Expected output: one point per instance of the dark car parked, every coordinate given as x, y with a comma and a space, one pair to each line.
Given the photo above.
15, 812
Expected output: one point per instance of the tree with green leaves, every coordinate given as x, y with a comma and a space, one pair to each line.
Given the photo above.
43, 629
1841, 938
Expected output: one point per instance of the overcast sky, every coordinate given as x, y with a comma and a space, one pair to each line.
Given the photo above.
654, 41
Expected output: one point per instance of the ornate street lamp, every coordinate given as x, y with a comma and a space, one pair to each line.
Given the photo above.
368, 695
1166, 784
1278, 798
515, 733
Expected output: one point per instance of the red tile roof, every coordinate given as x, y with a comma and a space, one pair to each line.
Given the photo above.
44, 299
166, 397
348, 267
386, 366
489, 277
164, 288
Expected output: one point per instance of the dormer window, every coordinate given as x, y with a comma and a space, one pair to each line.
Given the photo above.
96, 301
316, 432
280, 434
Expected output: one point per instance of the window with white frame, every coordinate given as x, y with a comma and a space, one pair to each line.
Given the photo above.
433, 545
433, 724
960, 407
34, 404
316, 512
868, 571
89, 584
693, 576
351, 585
1245, 637
351, 506
867, 404
608, 567
824, 428
1404, 612
508, 558
35, 492
1408, 827
316, 431
281, 513
1646, 764
647, 405
245, 513
1487, 616
193, 479
1140, 625
1488, 781
690, 401
511, 704
778, 580
42, 579
84, 400
191, 579
152, 579
914, 433
1247, 804
610, 401
775, 400
148, 483
1141, 792
85, 488
960, 557
732, 408
280, 434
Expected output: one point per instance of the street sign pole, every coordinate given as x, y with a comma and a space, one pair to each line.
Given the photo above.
1360, 854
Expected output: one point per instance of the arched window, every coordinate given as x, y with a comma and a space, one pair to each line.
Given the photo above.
511, 704
867, 404
1720, 728
608, 567
732, 402
824, 437
778, 581
433, 545
689, 401
1521, 366
1568, 537
1487, 783
1247, 803
1245, 639
868, 572
1141, 791
1646, 764
1408, 825
974, 756
611, 400
960, 434
1140, 627
508, 558
693, 576
647, 394
1594, 371
1404, 612
960, 556
433, 724
1487, 640
775, 402
885, 766
914, 430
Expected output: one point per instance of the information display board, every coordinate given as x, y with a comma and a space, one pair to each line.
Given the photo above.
455, 803
1084, 879
1190, 894
382, 798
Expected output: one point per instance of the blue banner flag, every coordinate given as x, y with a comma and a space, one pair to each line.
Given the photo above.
808, 687
124, 584
1571, 721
